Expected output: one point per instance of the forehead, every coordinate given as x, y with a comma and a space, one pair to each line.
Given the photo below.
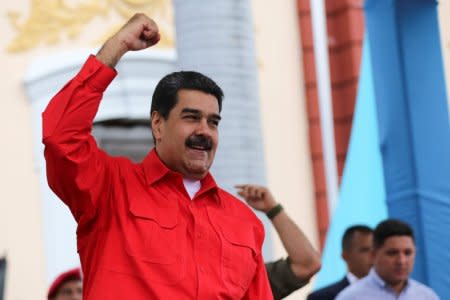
71, 283
398, 242
198, 100
361, 238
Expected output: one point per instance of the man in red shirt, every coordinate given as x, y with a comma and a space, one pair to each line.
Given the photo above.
161, 229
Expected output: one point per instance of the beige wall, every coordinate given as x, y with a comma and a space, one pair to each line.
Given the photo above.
283, 114
21, 236
444, 22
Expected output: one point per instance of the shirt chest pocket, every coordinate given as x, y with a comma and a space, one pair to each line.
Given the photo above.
155, 240
239, 251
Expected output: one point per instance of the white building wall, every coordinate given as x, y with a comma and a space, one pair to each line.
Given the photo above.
284, 117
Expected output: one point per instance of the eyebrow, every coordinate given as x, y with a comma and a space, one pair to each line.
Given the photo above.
198, 112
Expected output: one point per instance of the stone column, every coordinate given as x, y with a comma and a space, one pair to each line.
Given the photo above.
216, 38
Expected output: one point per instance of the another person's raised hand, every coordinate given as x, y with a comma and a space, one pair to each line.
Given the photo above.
258, 197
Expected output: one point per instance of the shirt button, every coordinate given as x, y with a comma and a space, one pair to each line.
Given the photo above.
202, 270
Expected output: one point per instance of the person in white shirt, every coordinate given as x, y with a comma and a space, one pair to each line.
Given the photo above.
394, 253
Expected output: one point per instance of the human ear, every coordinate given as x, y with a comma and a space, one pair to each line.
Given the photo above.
156, 122
344, 255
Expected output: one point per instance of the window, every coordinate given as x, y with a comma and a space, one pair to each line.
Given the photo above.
131, 138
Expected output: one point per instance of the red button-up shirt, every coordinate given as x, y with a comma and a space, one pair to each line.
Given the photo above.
139, 235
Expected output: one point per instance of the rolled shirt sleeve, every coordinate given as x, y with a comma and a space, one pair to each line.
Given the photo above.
282, 280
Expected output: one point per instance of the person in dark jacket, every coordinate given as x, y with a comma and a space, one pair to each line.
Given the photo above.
357, 244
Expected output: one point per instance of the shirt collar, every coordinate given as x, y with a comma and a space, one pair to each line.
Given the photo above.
351, 277
155, 169
380, 282
374, 275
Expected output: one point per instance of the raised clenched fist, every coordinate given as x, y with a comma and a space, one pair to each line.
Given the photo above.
140, 32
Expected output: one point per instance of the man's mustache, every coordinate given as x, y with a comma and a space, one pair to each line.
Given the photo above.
199, 142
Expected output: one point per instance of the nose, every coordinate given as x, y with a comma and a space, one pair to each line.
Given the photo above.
203, 128
77, 296
402, 259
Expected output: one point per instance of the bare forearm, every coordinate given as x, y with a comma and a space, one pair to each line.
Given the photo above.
111, 52
305, 261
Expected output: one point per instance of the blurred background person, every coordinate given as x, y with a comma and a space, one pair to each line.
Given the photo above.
67, 286
394, 253
357, 243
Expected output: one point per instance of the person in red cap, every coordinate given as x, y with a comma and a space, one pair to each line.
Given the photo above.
67, 286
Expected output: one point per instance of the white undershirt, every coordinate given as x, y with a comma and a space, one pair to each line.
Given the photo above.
191, 186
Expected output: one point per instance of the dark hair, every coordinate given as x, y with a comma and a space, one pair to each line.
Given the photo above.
389, 228
165, 94
347, 238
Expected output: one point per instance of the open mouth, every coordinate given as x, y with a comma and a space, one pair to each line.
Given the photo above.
199, 148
